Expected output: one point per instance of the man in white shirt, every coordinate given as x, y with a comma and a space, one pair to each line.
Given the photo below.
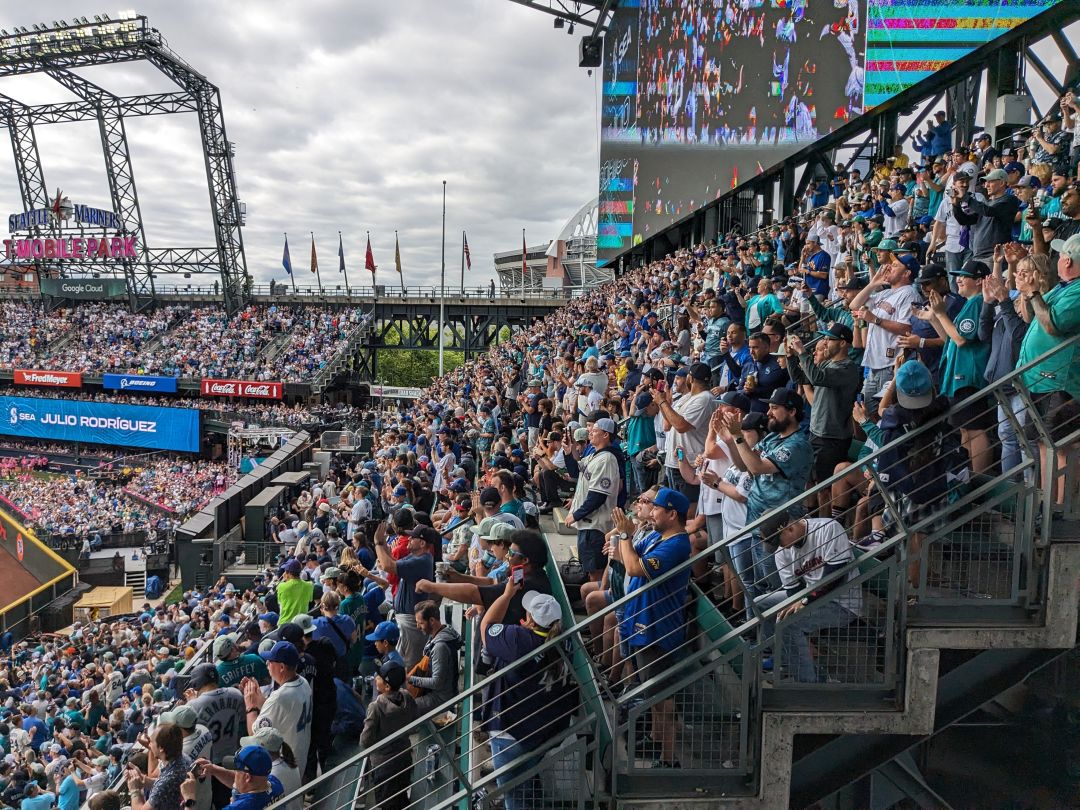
686, 422
595, 495
947, 231
896, 211
885, 306
361, 510
288, 709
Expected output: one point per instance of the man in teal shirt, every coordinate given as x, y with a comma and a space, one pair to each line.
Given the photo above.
233, 667
1055, 382
640, 437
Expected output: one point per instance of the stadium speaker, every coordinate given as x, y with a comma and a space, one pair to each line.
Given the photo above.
591, 52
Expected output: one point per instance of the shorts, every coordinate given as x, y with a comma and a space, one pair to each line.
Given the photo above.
1059, 412
976, 415
827, 454
590, 550
679, 484
649, 662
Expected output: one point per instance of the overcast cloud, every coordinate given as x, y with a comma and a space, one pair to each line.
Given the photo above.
346, 116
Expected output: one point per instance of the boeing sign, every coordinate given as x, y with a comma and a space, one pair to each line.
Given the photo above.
139, 383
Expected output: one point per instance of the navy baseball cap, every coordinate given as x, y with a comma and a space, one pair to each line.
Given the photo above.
932, 271
292, 566
736, 399
283, 652
786, 398
972, 269
643, 400
671, 499
461, 485
270, 618
910, 262
384, 631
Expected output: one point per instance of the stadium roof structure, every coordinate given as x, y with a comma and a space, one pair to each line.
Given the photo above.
57, 51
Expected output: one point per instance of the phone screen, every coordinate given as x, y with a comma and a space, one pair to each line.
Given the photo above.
518, 573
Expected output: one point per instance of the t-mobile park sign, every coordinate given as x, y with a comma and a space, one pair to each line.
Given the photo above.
241, 388
76, 247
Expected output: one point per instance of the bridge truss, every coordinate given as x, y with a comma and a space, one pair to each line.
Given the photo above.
58, 51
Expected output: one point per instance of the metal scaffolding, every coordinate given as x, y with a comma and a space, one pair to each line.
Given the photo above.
58, 51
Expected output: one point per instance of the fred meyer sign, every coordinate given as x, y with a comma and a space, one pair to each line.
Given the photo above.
100, 423
55, 379
84, 289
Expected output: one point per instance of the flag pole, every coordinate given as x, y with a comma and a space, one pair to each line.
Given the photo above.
292, 274
442, 284
463, 263
343, 270
318, 275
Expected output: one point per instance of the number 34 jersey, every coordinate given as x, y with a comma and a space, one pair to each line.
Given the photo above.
221, 710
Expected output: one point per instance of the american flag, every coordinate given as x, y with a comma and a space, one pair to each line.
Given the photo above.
465, 248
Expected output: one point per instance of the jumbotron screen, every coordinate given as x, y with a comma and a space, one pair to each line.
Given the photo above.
700, 95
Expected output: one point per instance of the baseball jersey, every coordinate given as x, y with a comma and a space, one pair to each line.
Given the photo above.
803, 566
200, 744
288, 710
221, 711
230, 673
599, 473
893, 305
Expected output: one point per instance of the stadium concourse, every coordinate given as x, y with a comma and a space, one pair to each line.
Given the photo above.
659, 414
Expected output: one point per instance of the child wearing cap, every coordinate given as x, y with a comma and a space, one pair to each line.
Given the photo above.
391, 762
385, 638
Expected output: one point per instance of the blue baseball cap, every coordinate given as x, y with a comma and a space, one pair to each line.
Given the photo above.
914, 385
254, 759
283, 652
270, 618
911, 263
670, 499
643, 400
461, 485
384, 631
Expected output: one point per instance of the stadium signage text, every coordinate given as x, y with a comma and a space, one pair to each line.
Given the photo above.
139, 383
84, 289
101, 423
241, 388
84, 216
115, 247
56, 379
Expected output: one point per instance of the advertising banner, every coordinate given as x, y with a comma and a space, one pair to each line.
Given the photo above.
55, 379
242, 388
84, 289
101, 423
139, 383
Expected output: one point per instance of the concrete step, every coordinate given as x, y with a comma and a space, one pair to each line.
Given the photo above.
558, 515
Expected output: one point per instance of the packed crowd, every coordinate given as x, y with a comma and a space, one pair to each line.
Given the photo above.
177, 340
152, 494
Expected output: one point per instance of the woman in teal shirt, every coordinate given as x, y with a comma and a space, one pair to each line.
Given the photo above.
965, 361
761, 306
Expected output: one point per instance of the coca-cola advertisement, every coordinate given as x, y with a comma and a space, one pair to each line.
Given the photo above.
57, 379
242, 388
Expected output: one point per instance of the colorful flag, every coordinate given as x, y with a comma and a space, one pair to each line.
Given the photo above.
340, 254
286, 262
397, 259
314, 258
369, 259
468, 255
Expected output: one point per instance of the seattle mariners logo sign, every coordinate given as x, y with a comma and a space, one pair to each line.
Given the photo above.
19, 546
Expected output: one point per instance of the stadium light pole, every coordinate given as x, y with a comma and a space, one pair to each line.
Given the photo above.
442, 283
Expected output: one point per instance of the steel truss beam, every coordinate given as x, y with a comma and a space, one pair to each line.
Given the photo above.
59, 51
120, 174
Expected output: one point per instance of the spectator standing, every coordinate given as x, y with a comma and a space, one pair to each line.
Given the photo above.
438, 683
288, 709
595, 495
1055, 383
990, 218
293, 593
780, 465
532, 702
653, 626
233, 665
761, 374
884, 305
835, 382
390, 760
418, 564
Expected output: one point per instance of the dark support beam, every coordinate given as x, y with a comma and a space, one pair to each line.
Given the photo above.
961, 103
886, 134
1004, 77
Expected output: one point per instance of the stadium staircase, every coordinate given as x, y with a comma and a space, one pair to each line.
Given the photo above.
996, 600
340, 362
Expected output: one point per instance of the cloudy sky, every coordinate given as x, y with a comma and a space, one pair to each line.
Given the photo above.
346, 116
